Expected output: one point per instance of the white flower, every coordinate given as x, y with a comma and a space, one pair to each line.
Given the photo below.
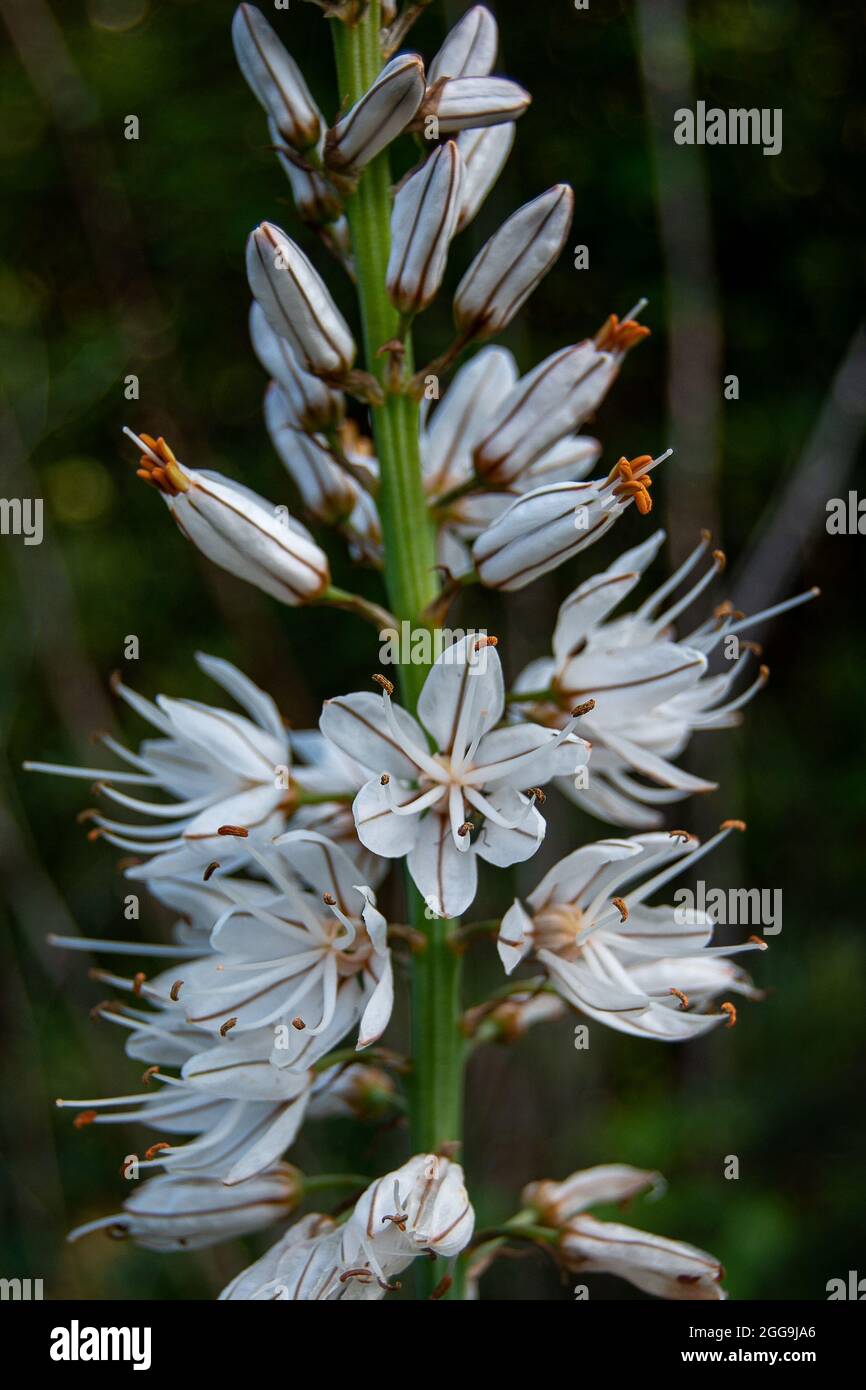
308, 965
419, 803
221, 769
421, 1208
554, 522
423, 222
510, 265
275, 78
665, 1268
297, 303
243, 1111
651, 692
638, 969
235, 527
175, 1212
378, 116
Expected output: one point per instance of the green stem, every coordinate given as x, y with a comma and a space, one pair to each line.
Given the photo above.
410, 579
319, 1181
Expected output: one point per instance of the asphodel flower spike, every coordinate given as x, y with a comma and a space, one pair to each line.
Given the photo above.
381, 114
278, 978
422, 224
510, 265
297, 304
275, 79
235, 527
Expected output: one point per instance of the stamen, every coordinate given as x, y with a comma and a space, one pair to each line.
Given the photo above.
683, 998
585, 708
299, 1024
174, 992
733, 825
210, 870
84, 1119
227, 1026
383, 681
729, 1009
239, 831
621, 907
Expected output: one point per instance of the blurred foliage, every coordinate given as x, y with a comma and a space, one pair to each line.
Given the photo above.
127, 257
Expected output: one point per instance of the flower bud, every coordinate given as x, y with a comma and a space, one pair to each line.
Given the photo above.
665, 1268
177, 1212
315, 199
236, 528
461, 103
470, 48
557, 1202
314, 405
296, 302
542, 529
422, 224
510, 265
544, 406
327, 491
378, 116
275, 79
484, 152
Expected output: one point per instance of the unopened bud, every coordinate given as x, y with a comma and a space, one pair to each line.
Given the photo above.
470, 48
296, 302
275, 79
544, 407
422, 224
314, 405
462, 103
327, 491
484, 153
510, 265
378, 116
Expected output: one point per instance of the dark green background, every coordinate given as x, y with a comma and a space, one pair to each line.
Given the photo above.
124, 257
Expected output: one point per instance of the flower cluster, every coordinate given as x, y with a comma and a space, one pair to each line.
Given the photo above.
271, 844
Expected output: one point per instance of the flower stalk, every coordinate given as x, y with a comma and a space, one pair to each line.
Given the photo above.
410, 578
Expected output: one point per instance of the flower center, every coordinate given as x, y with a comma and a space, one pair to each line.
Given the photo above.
557, 928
